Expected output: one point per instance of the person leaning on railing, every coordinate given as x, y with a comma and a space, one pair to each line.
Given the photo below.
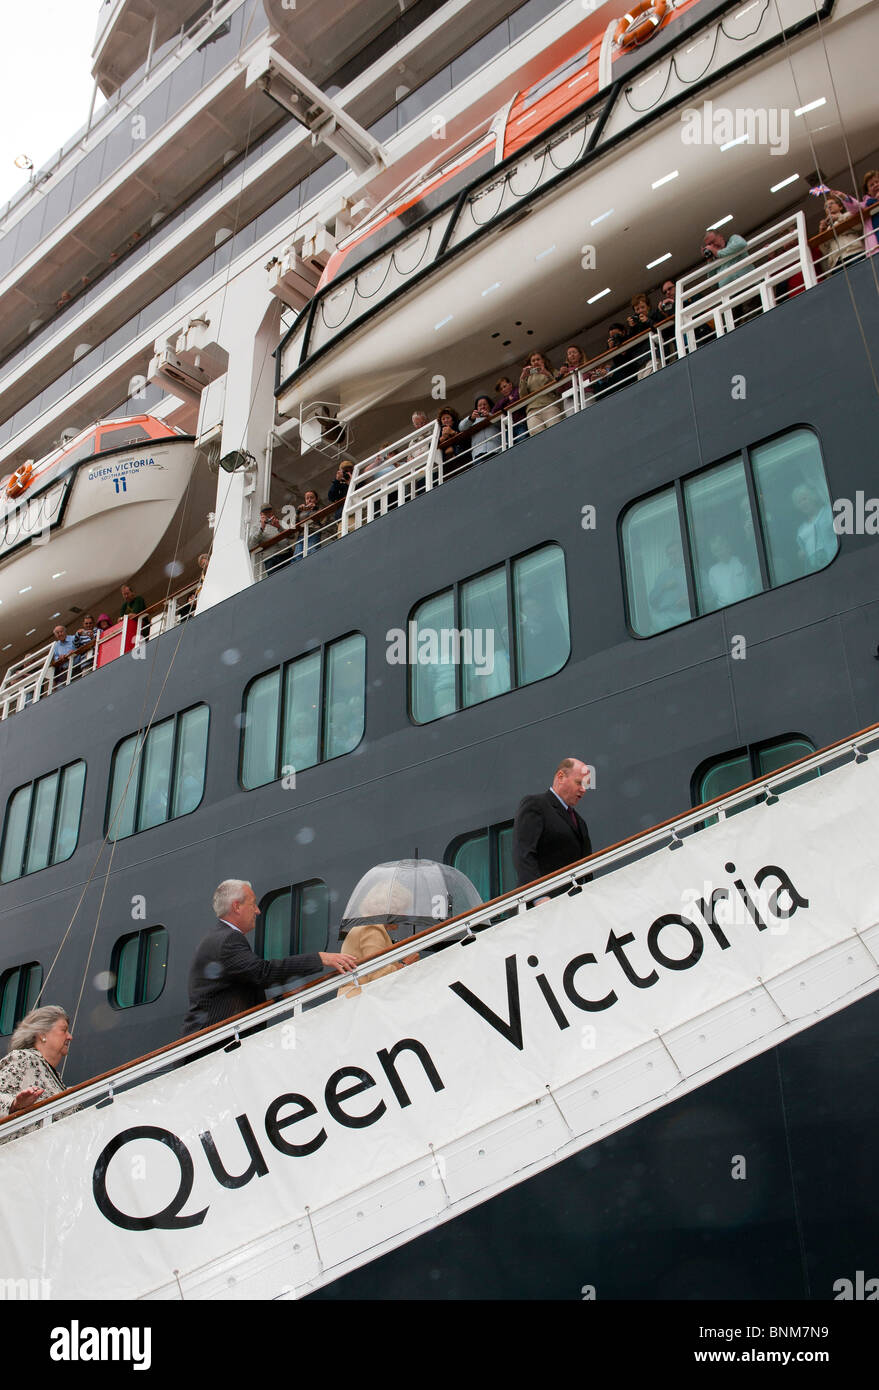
542, 409
508, 396
485, 432
37, 1047
575, 361
65, 646
449, 423
842, 245
269, 529
868, 204
309, 507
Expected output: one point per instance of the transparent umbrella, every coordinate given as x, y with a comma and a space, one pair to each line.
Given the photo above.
407, 896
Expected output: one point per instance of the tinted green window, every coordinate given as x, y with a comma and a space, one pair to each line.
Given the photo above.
260, 735
191, 761
501, 629
139, 965
123, 790
42, 822
346, 681
160, 778
473, 858
725, 777
795, 506
656, 576
746, 765
302, 713
486, 857
155, 775
485, 630
275, 925
320, 717
756, 521
294, 921
541, 605
725, 564
432, 672
70, 810
126, 972
19, 990
15, 833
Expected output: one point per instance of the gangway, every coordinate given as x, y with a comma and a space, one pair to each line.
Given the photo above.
345, 1127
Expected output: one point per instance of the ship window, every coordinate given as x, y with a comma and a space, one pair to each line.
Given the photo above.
139, 965
719, 776
789, 481
486, 857
159, 777
42, 822
294, 921
723, 547
747, 524
19, 989
125, 434
488, 635
315, 713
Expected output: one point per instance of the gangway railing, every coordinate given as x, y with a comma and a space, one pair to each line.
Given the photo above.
667, 836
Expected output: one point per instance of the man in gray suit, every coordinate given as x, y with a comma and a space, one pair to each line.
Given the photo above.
225, 977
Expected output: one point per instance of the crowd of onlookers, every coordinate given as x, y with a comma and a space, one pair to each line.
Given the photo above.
539, 393
74, 652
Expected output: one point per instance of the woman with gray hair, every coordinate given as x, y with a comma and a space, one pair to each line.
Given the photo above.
36, 1048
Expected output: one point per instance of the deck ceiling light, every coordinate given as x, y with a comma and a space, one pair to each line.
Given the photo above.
784, 183
595, 221
59, 574
442, 323
540, 255
722, 223
810, 106
739, 140
600, 295
666, 178
26, 590
658, 261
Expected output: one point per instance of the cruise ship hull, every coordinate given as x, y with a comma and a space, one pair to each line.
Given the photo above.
621, 1219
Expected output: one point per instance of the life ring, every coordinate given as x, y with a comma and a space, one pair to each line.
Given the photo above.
20, 480
640, 24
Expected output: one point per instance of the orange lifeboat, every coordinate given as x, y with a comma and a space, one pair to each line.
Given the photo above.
640, 24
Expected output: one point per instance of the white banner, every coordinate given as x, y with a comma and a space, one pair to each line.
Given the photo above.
233, 1158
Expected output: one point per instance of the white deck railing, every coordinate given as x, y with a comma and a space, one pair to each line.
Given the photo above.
33, 676
710, 296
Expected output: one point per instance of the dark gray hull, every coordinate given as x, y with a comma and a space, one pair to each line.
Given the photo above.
653, 1211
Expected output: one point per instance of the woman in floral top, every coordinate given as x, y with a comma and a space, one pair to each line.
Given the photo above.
37, 1047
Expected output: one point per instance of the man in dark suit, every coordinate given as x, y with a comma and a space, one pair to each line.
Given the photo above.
225, 977
547, 833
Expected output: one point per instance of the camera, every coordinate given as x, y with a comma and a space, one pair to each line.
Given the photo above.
707, 253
